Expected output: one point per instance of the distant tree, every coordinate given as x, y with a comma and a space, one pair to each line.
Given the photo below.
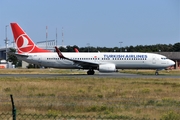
63, 49
69, 49
130, 48
116, 49
138, 48
176, 47
75, 46
12, 58
83, 49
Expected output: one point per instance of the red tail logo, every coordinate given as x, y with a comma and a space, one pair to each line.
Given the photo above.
23, 42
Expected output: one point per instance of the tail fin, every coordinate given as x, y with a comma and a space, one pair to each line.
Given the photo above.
23, 41
76, 50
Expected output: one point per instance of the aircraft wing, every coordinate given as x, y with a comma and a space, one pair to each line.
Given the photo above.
19, 55
82, 64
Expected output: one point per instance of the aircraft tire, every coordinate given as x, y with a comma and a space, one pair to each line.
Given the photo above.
90, 72
156, 73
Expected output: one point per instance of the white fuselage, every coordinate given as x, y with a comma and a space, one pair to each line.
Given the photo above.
124, 60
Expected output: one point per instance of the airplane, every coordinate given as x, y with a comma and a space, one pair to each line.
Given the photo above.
101, 61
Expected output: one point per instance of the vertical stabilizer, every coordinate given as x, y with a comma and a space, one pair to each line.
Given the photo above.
23, 41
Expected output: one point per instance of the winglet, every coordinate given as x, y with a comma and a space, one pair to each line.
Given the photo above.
59, 53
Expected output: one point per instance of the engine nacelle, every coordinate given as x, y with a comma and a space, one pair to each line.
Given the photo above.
107, 68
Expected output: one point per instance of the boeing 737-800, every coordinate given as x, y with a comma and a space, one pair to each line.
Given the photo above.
101, 61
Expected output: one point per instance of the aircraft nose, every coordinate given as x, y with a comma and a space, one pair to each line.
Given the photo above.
171, 63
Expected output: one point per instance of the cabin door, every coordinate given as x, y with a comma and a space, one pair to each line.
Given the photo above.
154, 59
39, 60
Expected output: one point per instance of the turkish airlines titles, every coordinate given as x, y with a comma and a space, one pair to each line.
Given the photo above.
124, 56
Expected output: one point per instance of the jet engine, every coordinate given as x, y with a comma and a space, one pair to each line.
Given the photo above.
107, 68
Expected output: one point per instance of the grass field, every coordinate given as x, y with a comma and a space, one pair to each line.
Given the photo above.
128, 97
41, 71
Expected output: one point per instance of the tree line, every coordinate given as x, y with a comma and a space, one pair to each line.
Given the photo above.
138, 48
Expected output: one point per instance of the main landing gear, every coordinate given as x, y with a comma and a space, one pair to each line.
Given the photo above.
156, 73
90, 72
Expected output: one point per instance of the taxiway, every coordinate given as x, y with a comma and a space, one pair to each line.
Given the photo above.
99, 75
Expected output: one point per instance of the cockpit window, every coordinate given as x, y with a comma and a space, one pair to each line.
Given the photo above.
163, 58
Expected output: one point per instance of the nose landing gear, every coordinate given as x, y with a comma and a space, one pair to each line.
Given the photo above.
157, 73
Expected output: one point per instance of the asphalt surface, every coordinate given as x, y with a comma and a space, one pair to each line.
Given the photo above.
98, 75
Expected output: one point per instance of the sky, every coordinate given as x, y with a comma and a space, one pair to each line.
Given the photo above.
102, 23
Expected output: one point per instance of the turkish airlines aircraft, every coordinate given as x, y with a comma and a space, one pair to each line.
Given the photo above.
101, 61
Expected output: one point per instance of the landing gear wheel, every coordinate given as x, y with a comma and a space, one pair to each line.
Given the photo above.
90, 72
156, 73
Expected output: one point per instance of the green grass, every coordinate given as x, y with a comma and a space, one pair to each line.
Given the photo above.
41, 71
111, 97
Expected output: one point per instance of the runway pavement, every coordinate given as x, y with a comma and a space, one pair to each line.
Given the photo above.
100, 75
